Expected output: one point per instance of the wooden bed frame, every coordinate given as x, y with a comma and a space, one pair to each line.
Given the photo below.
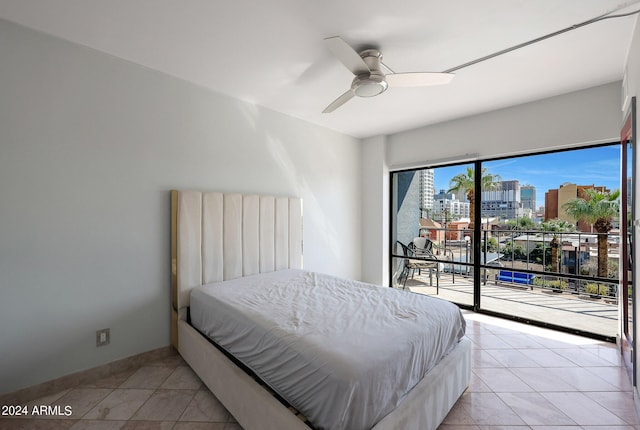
219, 236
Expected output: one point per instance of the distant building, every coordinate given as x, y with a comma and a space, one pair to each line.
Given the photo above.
458, 229
427, 189
551, 205
504, 201
486, 224
556, 198
442, 195
447, 207
528, 197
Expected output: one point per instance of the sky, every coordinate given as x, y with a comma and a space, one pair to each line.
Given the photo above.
594, 166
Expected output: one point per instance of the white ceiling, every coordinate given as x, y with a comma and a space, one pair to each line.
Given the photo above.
272, 53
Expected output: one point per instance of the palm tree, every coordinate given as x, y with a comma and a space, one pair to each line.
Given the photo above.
597, 208
556, 226
465, 182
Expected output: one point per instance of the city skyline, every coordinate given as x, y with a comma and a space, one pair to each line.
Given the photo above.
599, 166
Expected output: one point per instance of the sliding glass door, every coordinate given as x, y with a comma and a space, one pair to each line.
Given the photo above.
534, 237
431, 235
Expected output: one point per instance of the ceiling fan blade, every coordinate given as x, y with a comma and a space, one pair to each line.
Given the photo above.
418, 79
339, 101
347, 55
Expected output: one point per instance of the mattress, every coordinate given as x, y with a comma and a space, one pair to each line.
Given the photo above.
343, 353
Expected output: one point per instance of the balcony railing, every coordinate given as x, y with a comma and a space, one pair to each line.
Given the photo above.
557, 268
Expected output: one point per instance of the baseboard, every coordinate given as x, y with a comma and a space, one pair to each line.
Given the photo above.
37, 391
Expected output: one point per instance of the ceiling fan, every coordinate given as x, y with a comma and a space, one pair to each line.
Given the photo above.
369, 79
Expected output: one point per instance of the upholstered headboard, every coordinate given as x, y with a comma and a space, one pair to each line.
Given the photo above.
220, 236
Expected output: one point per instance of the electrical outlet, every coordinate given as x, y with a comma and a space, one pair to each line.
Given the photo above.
103, 337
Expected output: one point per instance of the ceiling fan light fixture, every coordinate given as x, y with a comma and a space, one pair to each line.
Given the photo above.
369, 85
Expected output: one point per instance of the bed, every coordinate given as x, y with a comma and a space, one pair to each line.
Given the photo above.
226, 241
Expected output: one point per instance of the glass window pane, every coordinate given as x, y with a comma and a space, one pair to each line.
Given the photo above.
558, 249
430, 233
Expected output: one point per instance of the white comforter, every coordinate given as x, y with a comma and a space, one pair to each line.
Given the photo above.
344, 353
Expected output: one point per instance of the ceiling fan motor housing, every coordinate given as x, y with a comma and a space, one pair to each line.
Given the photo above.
373, 83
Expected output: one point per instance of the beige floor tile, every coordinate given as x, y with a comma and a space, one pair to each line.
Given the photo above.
47, 400
458, 427
477, 385
621, 404
148, 425
199, 426
499, 427
562, 428
547, 358
534, 409
490, 341
616, 376
459, 415
29, 424
554, 343
540, 379
148, 377
182, 378
232, 426
606, 352
583, 357
482, 358
489, 409
583, 410
98, 425
165, 405
521, 341
81, 400
609, 428
502, 380
581, 379
121, 404
476, 327
205, 407
512, 358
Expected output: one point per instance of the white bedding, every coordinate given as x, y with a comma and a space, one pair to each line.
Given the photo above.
344, 353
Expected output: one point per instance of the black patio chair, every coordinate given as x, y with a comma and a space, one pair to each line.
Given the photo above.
414, 261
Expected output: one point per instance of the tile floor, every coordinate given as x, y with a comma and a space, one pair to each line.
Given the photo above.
161, 395
522, 378
525, 377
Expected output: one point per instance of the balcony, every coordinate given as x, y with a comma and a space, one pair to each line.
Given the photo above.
518, 278
576, 312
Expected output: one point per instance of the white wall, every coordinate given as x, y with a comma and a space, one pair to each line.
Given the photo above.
89, 148
375, 211
591, 115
